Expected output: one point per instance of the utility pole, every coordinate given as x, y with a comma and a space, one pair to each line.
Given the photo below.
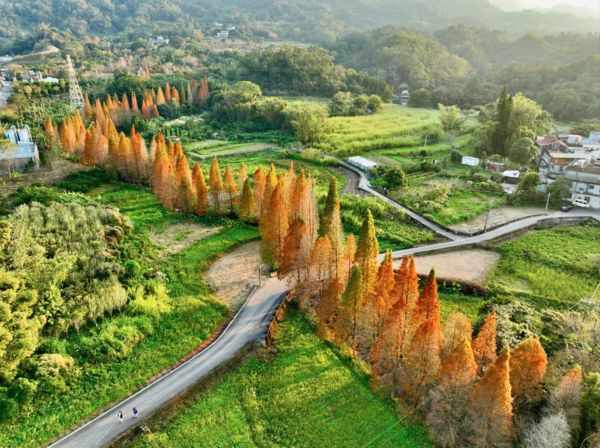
547, 203
75, 95
487, 217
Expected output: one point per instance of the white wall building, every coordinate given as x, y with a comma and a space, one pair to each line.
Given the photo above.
24, 152
584, 176
361, 163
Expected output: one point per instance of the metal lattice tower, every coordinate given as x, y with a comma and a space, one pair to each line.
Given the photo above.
75, 94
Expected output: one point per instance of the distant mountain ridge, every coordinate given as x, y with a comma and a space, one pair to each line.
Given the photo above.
302, 20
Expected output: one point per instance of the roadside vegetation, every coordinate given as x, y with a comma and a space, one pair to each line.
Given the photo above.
292, 398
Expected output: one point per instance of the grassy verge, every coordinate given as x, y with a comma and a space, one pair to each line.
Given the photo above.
307, 396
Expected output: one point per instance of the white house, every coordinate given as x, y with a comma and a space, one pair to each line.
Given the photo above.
584, 176
23, 153
223, 34
470, 161
361, 163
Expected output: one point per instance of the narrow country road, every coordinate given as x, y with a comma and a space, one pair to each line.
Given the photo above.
249, 325
251, 322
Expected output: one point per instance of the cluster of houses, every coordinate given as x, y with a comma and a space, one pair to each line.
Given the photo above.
576, 159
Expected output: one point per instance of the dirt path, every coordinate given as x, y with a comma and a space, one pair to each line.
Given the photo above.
179, 236
469, 265
498, 216
351, 184
235, 274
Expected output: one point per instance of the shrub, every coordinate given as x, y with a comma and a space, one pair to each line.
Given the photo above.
9, 409
54, 372
23, 390
516, 321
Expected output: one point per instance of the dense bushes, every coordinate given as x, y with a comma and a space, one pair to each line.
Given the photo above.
345, 104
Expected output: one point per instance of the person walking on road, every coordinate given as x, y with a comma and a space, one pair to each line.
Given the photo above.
120, 416
135, 413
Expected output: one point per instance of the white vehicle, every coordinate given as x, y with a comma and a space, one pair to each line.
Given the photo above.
581, 203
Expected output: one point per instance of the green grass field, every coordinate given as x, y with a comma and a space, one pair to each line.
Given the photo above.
194, 317
306, 396
394, 127
554, 268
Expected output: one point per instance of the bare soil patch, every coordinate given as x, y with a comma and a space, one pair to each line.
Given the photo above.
467, 266
498, 216
174, 238
351, 181
60, 169
235, 274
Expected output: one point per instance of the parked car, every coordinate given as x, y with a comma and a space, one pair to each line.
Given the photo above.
567, 206
581, 203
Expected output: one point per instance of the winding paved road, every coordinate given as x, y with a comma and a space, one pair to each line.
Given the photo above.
248, 326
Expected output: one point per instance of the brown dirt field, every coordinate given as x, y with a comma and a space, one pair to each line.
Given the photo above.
60, 169
179, 236
235, 274
469, 265
498, 216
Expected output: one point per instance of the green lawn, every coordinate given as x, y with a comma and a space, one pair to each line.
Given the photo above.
306, 396
553, 268
193, 317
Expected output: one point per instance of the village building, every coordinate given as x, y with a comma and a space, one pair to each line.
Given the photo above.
571, 139
21, 154
552, 164
362, 163
551, 144
584, 176
158, 41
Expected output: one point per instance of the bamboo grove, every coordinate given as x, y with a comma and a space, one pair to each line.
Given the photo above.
468, 392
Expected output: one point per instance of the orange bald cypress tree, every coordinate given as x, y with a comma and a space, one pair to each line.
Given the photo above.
160, 97
185, 199
248, 209
274, 229
88, 111
230, 187
259, 187
267, 191
427, 306
50, 133
489, 418
295, 254
204, 93
242, 176
216, 184
336, 236
457, 328
328, 308
406, 285
387, 353
89, 151
375, 307
321, 265
423, 360
135, 108
67, 137
484, 345
528, 363
161, 176
449, 399
168, 92
199, 183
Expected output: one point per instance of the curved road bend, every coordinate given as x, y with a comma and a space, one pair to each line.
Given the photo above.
248, 325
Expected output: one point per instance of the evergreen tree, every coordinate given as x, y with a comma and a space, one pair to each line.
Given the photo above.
349, 308
367, 251
230, 187
501, 132
331, 203
248, 209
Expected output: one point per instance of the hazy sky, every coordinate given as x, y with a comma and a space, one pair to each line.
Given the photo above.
521, 4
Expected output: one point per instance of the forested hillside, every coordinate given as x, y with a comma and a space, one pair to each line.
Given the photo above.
311, 20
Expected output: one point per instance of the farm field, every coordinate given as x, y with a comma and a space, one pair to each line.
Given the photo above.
555, 268
307, 395
394, 127
193, 316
